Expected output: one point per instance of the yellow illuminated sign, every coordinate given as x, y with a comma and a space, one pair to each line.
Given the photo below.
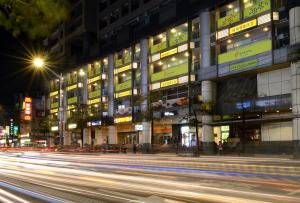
243, 26
122, 69
94, 101
27, 118
28, 99
53, 93
168, 53
71, 87
71, 107
123, 94
94, 79
123, 119
169, 83
53, 111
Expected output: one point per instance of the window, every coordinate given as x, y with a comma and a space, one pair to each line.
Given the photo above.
102, 23
158, 42
245, 39
123, 77
135, 4
114, 15
137, 52
229, 9
178, 35
113, 1
125, 9
102, 5
170, 62
195, 30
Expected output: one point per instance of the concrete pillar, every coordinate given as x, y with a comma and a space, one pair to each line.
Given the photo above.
87, 136
112, 131
99, 138
145, 135
208, 87
67, 138
296, 106
294, 16
112, 135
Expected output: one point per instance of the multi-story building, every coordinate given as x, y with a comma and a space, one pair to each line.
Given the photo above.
216, 71
73, 40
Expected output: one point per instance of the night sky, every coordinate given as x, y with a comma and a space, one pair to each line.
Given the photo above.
15, 75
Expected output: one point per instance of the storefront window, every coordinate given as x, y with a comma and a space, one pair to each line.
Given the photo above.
137, 52
119, 59
94, 69
127, 55
158, 43
54, 85
104, 64
178, 35
195, 29
245, 39
123, 77
170, 62
228, 14
72, 78
195, 60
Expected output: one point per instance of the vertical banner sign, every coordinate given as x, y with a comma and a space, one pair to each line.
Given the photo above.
27, 109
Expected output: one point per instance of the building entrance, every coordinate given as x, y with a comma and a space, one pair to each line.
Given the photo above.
128, 138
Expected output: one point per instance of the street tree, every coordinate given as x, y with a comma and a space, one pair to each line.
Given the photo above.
35, 18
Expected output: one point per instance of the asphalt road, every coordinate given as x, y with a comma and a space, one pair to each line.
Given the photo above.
64, 177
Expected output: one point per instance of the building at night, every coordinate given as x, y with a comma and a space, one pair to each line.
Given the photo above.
169, 73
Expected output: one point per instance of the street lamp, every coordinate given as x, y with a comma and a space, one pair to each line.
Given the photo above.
39, 63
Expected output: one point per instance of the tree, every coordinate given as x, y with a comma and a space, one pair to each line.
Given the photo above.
36, 18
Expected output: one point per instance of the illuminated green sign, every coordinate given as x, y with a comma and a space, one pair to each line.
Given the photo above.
228, 20
157, 47
118, 62
178, 38
72, 100
246, 51
171, 72
94, 94
243, 65
54, 105
123, 86
257, 8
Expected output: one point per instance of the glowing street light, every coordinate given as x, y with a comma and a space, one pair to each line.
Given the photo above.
38, 62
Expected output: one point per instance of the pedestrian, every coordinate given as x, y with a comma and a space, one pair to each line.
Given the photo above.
134, 148
220, 148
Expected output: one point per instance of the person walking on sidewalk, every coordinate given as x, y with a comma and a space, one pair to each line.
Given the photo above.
220, 148
134, 148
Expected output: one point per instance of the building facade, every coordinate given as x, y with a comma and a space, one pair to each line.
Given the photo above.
221, 72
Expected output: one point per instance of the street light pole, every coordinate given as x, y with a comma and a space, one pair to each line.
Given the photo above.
40, 63
60, 111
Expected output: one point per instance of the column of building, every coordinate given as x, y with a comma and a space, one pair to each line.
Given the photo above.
112, 130
294, 16
66, 134
87, 131
145, 136
208, 87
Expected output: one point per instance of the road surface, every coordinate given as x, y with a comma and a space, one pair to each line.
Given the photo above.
64, 177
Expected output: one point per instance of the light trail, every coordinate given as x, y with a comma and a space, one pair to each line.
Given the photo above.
185, 180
